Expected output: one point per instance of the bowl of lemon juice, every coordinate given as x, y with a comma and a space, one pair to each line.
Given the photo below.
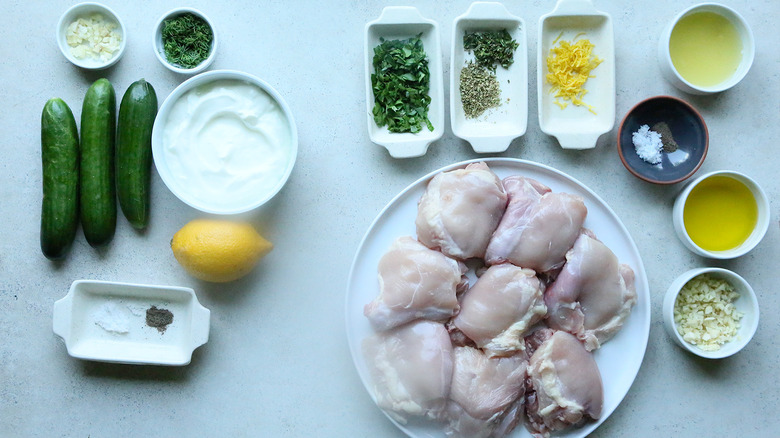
707, 48
721, 215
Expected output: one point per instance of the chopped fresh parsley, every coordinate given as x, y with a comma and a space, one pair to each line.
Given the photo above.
186, 40
491, 47
400, 83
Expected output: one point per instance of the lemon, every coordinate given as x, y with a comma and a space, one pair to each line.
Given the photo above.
218, 250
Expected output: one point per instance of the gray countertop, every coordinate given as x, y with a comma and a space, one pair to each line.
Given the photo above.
277, 363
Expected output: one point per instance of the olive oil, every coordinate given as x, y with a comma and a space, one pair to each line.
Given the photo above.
706, 48
720, 213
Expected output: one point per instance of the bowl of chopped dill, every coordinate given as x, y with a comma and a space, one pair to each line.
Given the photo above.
185, 41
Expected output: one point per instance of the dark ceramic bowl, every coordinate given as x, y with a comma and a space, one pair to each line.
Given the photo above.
687, 129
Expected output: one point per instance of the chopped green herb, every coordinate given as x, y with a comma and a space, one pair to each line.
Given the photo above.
491, 47
479, 90
400, 83
186, 40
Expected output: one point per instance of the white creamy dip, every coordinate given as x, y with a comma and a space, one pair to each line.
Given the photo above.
227, 143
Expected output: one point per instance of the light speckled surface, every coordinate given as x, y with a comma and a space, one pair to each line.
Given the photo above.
277, 362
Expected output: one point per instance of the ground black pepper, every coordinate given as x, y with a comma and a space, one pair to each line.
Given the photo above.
158, 318
667, 140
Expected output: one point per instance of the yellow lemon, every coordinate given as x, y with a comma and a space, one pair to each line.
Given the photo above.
218, 250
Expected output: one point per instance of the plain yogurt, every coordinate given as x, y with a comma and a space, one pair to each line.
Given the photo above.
227, 142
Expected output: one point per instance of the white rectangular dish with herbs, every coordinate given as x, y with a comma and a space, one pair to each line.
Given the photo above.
493, 130
403, 22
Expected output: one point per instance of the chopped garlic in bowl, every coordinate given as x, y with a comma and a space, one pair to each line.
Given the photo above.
711, 312
705, 314
91, 36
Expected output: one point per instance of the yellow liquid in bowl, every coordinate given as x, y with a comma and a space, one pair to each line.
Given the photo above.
706, 48
720, 213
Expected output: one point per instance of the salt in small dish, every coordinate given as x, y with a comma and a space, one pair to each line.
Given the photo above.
688, 131
403, 22
87, 11
752, 236
109, 321
746, 304
158, 45
493, 131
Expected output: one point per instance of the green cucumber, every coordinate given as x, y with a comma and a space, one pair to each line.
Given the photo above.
60, 159
97, 189
134, 151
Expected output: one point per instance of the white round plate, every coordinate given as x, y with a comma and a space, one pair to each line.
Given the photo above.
618, 360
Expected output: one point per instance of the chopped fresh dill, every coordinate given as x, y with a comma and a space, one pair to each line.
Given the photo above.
186, 40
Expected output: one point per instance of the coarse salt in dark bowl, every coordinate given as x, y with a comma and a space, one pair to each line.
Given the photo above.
688, 131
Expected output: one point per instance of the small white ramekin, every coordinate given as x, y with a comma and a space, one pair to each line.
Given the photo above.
748, 49
747, 304
85, 10
762, 222
158, 43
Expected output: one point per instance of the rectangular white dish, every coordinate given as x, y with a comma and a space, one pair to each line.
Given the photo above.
493, 131
402, 22
576, 127
107, 322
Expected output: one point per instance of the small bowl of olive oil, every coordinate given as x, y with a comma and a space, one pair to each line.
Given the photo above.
721, 215
705, 49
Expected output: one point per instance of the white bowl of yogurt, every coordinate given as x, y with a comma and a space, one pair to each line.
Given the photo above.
224, 142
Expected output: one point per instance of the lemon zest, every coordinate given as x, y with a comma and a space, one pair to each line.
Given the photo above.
569, 66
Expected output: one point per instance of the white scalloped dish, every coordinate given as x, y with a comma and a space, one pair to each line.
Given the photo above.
108, 322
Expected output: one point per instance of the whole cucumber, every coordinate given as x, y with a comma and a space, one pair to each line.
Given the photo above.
134, 151
97, 190
60, 160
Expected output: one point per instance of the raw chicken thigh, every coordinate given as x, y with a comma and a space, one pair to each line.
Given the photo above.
460, 210
486, 399
411, 369
415, 282
538, 227
593, 294
501, 306
564, 386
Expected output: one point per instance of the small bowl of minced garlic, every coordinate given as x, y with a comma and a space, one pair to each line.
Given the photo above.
711, 312
91, 36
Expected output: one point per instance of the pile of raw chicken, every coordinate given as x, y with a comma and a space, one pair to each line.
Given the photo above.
514, 346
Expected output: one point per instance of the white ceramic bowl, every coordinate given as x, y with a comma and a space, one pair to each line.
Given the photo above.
493, 131
83, 10
748, 49
747, 304
243, 196
158, 43
762, 222
105, 321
